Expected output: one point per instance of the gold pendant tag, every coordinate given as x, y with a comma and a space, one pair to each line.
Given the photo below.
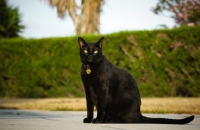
88, 71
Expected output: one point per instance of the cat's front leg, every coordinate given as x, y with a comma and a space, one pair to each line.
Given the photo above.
96, 120
99, 120
101, 111
87, 120
89, 114
90, 109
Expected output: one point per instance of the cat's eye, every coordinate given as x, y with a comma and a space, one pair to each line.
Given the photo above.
95, 52
85, 51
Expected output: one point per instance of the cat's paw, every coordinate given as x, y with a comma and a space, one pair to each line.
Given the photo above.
87, 120
95, 120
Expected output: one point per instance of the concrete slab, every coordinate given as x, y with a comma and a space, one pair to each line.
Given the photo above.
64, 120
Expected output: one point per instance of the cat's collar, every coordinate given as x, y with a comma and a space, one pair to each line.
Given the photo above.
87, 67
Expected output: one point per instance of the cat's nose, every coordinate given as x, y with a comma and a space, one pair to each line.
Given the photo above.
90, 56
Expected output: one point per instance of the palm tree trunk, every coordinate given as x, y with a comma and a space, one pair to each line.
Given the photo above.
88, 21
90, 17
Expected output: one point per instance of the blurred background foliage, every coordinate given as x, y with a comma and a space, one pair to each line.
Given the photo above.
184, 12
164, 63
10, 21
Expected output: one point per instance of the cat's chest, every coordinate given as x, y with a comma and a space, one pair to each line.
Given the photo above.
93, 80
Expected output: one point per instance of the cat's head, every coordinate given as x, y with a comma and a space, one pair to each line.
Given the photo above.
90, 53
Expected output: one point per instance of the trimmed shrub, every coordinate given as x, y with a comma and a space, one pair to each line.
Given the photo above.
163, 62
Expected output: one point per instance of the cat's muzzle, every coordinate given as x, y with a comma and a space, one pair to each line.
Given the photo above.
90, 58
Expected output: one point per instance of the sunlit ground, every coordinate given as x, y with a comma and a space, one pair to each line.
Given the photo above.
149, 105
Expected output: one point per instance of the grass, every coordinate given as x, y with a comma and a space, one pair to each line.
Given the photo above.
171, 105
149, 105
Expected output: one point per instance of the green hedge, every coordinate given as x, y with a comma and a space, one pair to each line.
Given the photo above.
164, 63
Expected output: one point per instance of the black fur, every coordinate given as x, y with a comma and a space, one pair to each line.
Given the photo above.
113, 91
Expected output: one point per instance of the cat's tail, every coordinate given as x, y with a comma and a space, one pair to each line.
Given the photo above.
167, 121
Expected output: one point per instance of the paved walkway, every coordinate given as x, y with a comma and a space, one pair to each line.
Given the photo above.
62, 120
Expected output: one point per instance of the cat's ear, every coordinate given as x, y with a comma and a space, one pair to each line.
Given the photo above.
99, 43
81, 42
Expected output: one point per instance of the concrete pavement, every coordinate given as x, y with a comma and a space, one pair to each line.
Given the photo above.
63, 120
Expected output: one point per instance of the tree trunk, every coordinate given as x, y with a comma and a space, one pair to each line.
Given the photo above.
88, 21
90, 17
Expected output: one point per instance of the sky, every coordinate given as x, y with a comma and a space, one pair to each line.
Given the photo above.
41, 20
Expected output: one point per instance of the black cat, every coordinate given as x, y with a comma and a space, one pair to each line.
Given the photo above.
113, 91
